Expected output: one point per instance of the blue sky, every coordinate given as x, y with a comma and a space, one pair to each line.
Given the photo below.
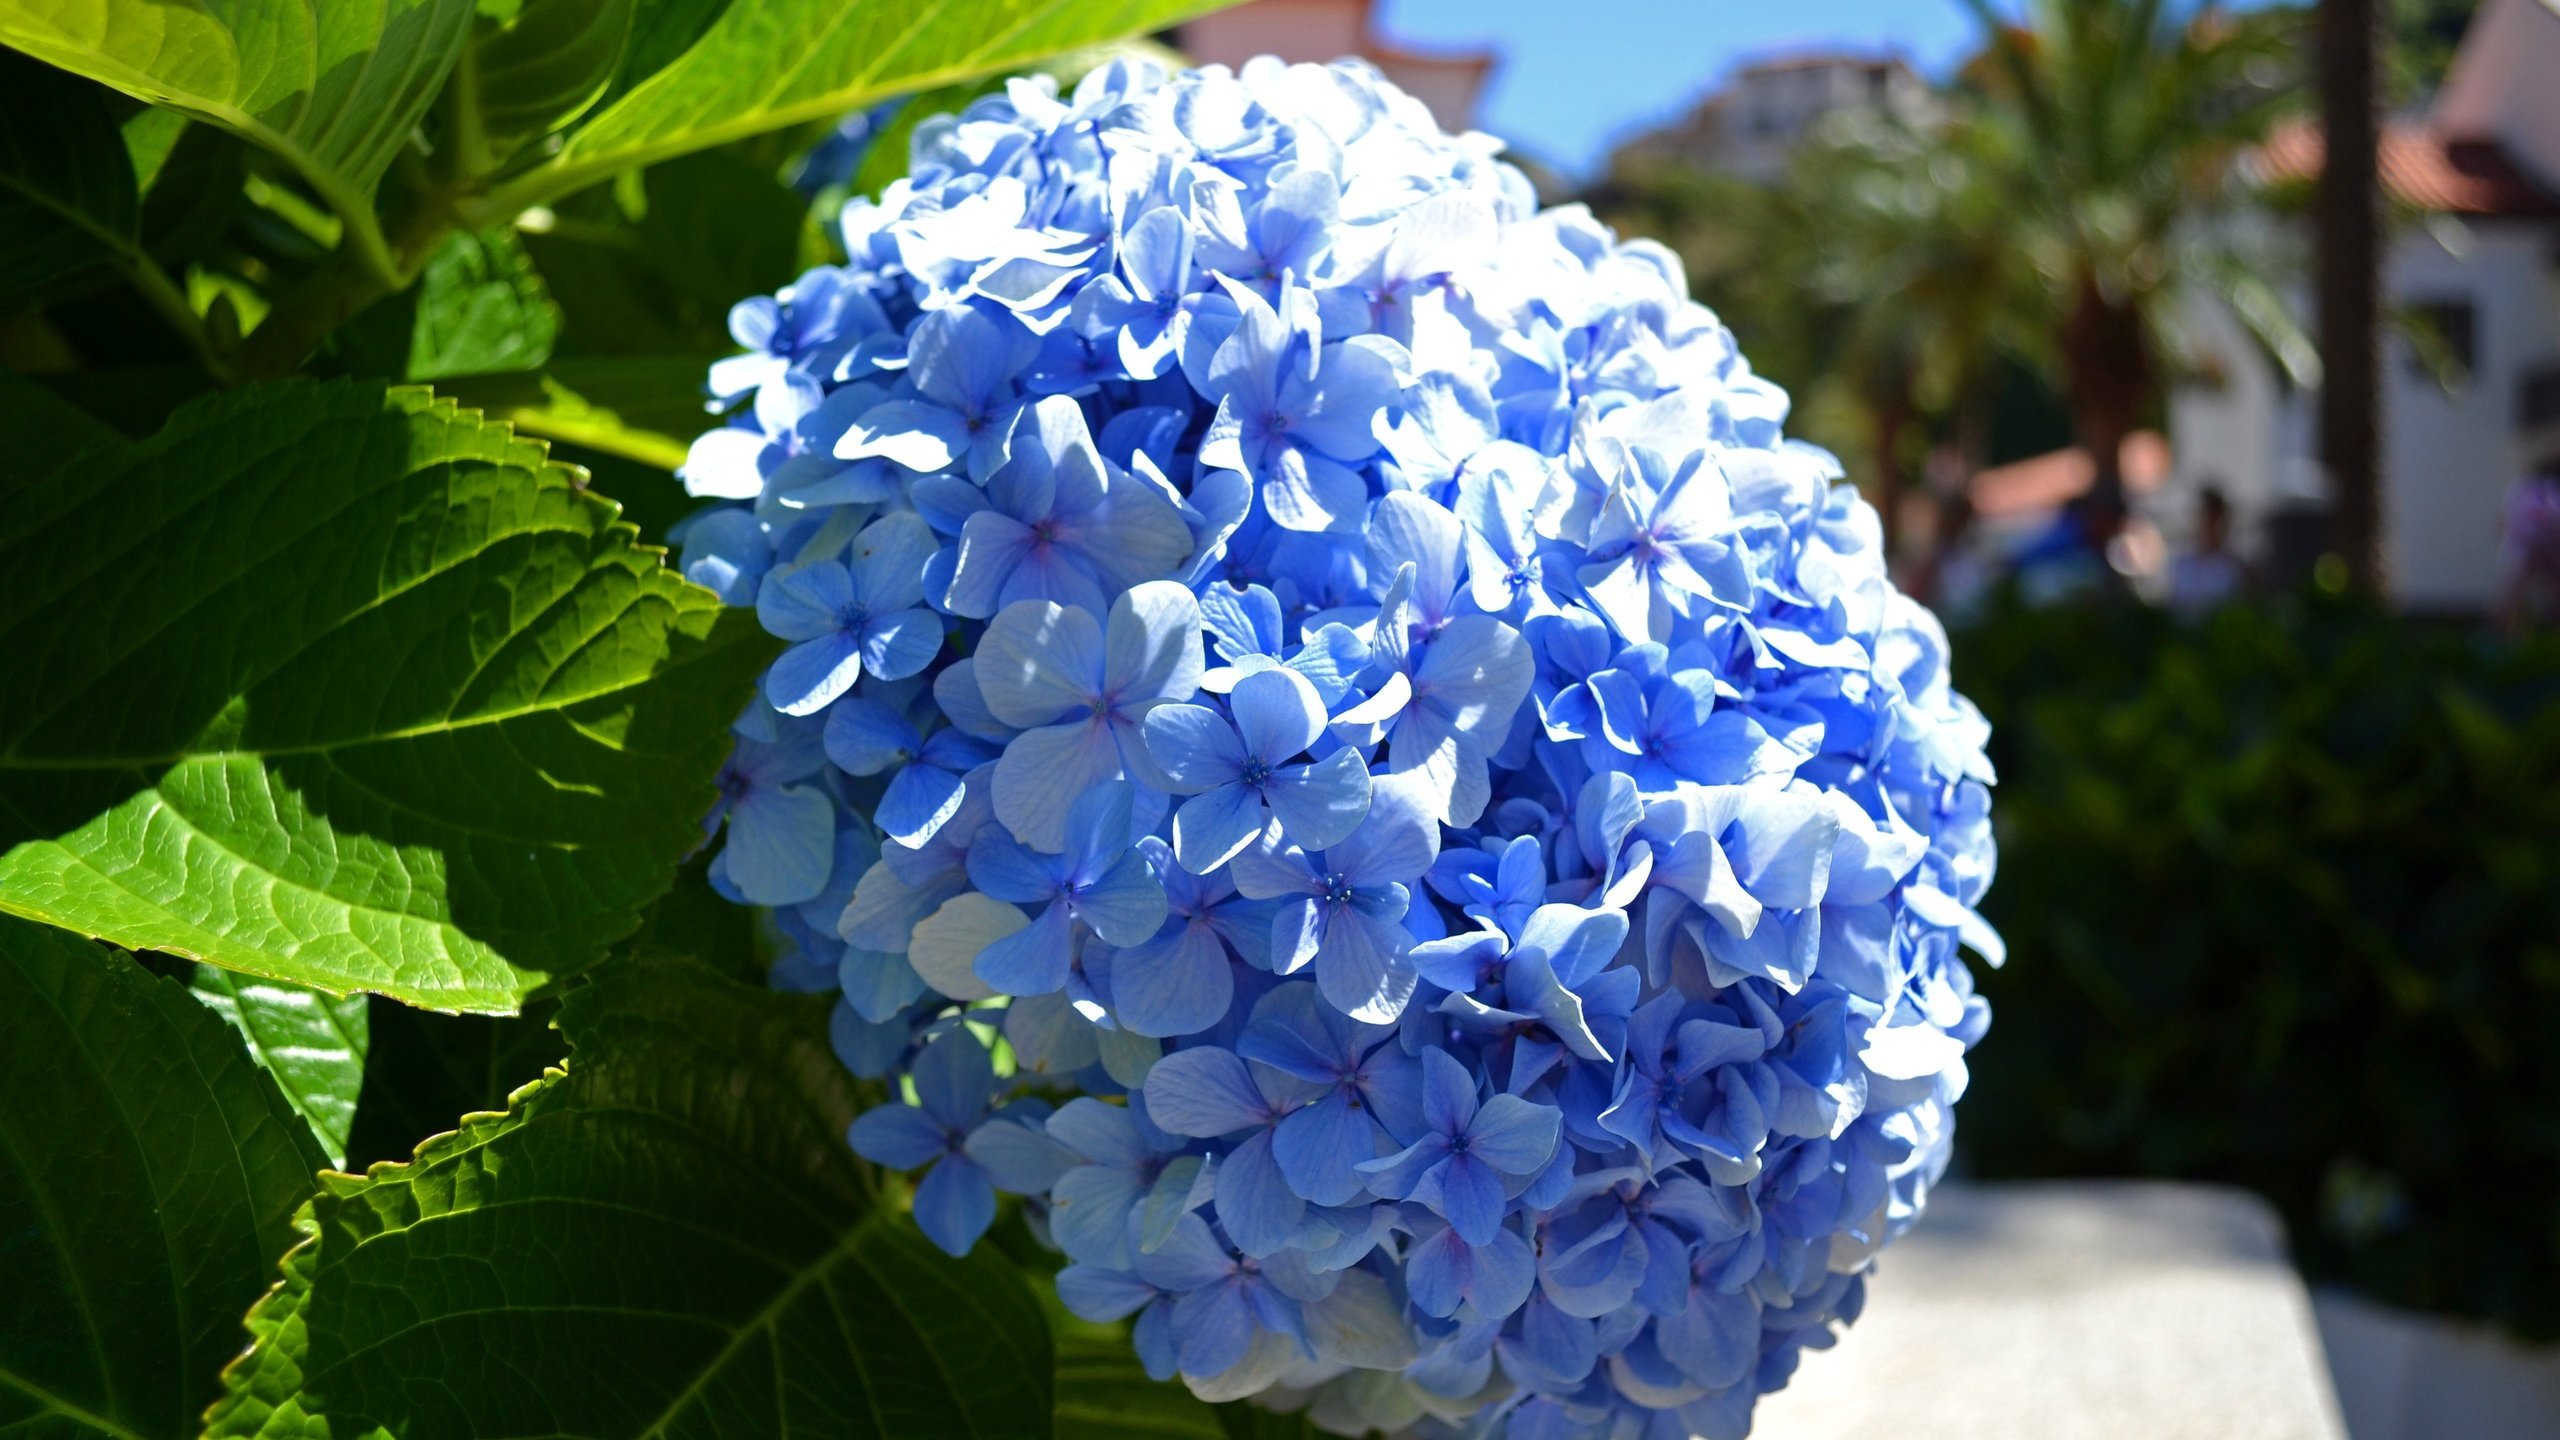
1577, 73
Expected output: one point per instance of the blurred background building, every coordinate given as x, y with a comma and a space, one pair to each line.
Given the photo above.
1449, 80
2471, 387
1753, 124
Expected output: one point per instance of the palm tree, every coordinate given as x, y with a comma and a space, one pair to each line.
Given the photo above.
2350, 298
1907, 252
2126, 124
1875, 278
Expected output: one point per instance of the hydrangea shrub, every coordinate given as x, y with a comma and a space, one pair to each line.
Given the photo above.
1342, 673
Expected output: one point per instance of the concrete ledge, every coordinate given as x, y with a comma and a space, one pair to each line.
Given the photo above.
2074, 1311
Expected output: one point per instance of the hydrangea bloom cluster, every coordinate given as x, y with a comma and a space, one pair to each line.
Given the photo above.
1463, 848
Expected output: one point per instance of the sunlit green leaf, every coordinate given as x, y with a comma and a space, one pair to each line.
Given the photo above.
311, 1041
480, 307
336, 89
729, 82
347, 688
644, 407
538, 67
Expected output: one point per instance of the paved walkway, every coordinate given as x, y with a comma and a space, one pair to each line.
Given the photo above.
2077, 1310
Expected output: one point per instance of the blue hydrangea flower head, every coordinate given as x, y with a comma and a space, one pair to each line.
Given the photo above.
1343, 676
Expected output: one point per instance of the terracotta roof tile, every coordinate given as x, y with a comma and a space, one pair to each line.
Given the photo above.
2423, 170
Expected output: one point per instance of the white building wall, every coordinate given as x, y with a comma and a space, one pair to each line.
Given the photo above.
2450, 454
2225, 435
2506, 82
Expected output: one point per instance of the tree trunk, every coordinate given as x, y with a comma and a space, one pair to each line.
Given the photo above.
2350, 282
2107, 374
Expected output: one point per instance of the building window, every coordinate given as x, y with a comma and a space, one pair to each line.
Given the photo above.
2444, 339
2538, 397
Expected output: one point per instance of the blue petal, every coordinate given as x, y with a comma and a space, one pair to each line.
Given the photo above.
1465, 1192
1438, 1272
878, 985
954, 1079
1089, 1210
865, 737
1019, 1158
1294, 1032
921, 436
920, 800
1179, 983
1213, 828
1104, 1134
1043, 772
1204, 1091
1513, 1135
1393, 1177
1215, 1328
1360, 962
1278, 714
1126, 905
1100, 1294
955, 1205
1318, 1145
781, 845
1194, 745
812, 674
1005, 868
1031, 961
1448, 1093
1152, 645
900, 643
888, 562
1189, 1259
1037, 661
899, 1136
1254, 1201
804, 603
1320, 804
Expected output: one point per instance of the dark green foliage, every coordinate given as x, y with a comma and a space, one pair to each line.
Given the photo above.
2282, 893
666, 1238
148, 1176
425, 1071
67, 197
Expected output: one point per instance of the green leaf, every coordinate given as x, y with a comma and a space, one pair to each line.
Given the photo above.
44, 431
347, 688
424, 1071
669, 1238
692, 921
67, 195
1104, 1394
653, 264
149, 1174
643, 407
312, 1042
766, 64
334, 88
66, 180
480, 308
539, 68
